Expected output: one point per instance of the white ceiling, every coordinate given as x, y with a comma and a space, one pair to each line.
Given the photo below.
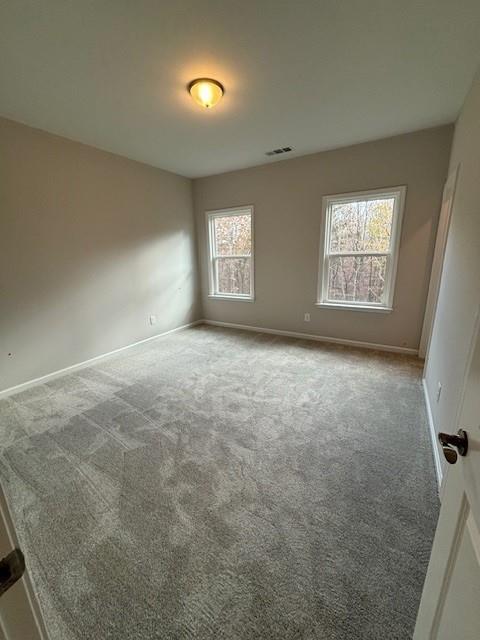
312, 74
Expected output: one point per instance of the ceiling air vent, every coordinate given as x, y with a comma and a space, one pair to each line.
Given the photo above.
276, 152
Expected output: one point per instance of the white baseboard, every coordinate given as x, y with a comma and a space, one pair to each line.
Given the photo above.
310, 336
81, 365
433, 437
293, 334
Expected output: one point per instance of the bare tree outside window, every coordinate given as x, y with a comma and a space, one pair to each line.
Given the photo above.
230, 235
360, 248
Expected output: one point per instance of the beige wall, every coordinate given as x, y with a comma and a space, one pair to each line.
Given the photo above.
91, 244
287, 197
459, 296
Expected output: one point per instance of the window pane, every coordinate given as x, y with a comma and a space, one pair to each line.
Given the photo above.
233, 235
364, 225
233, 276
357, 278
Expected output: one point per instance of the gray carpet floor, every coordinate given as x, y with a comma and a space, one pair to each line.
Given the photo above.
225, 484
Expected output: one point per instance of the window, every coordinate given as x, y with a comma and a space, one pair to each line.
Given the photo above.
230, 241
359, 249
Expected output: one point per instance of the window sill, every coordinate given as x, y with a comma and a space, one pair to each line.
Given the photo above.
354, 307
216, 296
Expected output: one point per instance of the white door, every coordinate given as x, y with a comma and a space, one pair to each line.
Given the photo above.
450, 605
437, 263
20, 617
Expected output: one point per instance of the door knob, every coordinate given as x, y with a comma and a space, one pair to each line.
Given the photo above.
11, 570
450, 454
454, 445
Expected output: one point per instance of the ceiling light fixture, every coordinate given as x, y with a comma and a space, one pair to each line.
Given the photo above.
206, 92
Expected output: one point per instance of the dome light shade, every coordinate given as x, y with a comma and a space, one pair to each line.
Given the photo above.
206, 92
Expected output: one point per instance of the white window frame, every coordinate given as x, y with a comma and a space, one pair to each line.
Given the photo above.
386, 306
212, 258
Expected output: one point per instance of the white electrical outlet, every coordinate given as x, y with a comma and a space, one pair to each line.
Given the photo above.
439, 391
153, 319
306, 317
